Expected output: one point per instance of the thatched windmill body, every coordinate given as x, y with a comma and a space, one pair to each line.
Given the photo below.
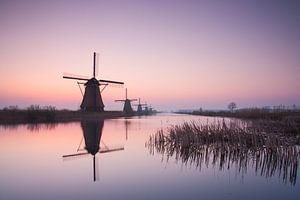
127, 109
92, 100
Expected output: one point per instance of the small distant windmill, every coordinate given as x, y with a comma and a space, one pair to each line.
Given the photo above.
140, 106
149, 110
127, 109
92, 100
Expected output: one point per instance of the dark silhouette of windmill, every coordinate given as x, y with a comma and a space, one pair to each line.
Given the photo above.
127, 109
140, 107
92, 132
92, 100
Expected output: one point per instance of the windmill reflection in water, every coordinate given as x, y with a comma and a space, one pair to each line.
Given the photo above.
92, 132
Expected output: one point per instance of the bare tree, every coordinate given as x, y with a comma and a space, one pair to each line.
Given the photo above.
232, 106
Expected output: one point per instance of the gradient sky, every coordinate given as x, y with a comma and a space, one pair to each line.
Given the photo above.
172, 54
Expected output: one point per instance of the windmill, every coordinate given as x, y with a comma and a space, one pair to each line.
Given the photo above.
127, 109
140, 107
150, 111
92, 100
92, 132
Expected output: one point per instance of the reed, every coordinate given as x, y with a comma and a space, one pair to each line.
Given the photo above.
227, 145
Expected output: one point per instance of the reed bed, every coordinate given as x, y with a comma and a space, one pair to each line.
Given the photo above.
224, 145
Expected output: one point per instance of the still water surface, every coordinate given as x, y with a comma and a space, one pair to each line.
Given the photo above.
32, 165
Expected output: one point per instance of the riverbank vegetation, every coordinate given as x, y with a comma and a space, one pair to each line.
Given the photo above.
269, 150
49, 114
272, 113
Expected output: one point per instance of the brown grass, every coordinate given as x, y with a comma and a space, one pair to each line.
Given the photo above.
227, 145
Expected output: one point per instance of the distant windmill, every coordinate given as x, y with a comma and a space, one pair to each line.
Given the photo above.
140, 106
92, 100
146, 109
127, 109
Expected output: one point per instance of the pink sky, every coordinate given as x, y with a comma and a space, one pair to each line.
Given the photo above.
171, 54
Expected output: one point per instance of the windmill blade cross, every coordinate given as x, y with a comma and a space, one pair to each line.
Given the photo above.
97, 64
111, 150
108, 81
94, 65
75, 78
76, 154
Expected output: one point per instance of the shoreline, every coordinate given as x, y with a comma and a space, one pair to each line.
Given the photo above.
247, 115
56, 116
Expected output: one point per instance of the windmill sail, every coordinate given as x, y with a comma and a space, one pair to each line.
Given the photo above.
108, 81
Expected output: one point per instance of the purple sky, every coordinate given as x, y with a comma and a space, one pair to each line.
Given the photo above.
172, 54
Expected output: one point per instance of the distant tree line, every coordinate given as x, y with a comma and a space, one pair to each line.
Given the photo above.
34, 107
267, 112
31, 114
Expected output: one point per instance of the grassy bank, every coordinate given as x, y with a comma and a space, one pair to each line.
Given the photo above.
249, 113
51, 115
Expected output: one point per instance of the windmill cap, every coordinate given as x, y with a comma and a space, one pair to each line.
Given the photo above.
92, 81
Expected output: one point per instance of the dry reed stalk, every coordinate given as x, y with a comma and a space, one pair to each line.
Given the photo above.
225, 145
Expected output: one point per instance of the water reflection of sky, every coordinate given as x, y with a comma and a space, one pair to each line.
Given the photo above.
31, 167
